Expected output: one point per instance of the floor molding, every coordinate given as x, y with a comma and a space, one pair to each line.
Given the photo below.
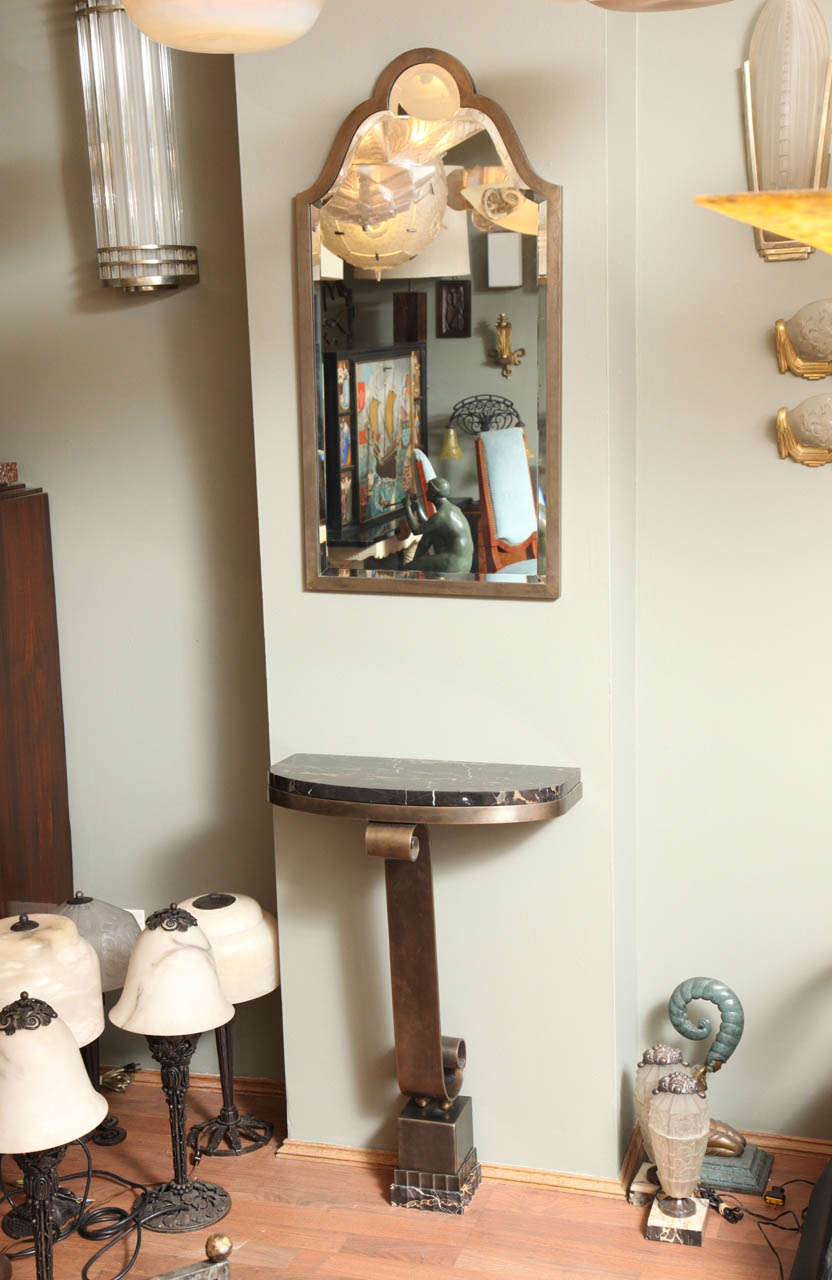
777, 1143
254, 1085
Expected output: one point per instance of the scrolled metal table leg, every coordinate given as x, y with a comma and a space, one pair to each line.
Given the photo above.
438, 1167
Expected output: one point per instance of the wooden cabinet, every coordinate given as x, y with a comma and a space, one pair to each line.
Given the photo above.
35, 846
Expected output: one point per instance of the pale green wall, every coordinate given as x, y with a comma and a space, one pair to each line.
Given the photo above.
135, 415
525, 916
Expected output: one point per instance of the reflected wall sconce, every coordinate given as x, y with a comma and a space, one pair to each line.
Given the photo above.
787, 83
134, 167
805, 433
504, 355
224, 26
804, 343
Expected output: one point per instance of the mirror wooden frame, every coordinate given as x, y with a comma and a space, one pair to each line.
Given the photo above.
548, 588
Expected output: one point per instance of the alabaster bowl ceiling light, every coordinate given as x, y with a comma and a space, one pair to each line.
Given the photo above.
134, 167
243, 939
171, 995
111, 932
45, 954
224, 26
46, 1101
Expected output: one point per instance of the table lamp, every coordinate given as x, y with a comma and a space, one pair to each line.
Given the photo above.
243, 939
171, 995
46, 1101
112, 933
678, 1124
46, 955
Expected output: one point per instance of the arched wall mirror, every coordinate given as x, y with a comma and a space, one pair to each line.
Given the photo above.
429, 302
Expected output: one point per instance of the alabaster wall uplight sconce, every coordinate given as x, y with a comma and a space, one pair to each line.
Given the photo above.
804, 343
787, 82
224, 26
805, 433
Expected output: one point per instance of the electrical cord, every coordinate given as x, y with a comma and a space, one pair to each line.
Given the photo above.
762, 1220
108, 1222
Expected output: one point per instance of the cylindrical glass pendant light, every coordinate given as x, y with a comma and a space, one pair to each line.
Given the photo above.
128, 99
787, 82
224, 26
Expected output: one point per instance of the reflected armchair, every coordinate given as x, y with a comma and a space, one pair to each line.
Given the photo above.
508, 514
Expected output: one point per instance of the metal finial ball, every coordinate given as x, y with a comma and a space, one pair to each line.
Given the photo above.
218, 1248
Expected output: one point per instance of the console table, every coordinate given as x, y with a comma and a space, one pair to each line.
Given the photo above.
399, 799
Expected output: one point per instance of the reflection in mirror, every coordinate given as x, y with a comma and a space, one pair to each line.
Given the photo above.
429, 304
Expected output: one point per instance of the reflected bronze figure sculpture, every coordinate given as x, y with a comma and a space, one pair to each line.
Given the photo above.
446, 545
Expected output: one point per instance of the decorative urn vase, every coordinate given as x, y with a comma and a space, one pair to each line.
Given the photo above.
678, 1122
655, 1063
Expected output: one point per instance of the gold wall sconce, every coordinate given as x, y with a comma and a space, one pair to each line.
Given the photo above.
504, 355
805, 433
804, 343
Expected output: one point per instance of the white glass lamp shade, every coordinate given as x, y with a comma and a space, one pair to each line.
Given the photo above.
787, 68
426, 91
54, 963
172, 987
652, 6
46, 1098
678, 1123
111, 931
224, 26
243, 939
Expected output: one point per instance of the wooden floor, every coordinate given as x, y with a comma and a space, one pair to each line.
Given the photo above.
310, 1218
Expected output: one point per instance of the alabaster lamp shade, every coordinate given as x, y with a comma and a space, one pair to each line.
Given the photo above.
46, 955
678, 1123
46, 1099
111, 931
172, 987
243, 938
656, 1062
224, 26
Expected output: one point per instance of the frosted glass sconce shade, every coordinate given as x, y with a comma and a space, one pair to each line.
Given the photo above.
46, 1099
46, 955
805, 433
787, 80
243, 938
804, 343
224, 26
137, 202
678, 1123
655, 1063
111, 931
426, 91
172, 987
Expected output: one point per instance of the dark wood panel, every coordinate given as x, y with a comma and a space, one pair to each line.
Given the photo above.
35, 846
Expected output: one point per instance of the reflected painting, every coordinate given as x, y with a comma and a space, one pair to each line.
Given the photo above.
427, 467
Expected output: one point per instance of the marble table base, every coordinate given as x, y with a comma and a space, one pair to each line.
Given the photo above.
660, 1226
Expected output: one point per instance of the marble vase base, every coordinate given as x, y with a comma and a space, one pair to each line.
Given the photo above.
437, 1192
748, 1173
660, 1226
643, 1187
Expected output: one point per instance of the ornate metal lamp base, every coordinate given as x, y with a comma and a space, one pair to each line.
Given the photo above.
19, 1222
108, 1134
230, 1134
187, 1206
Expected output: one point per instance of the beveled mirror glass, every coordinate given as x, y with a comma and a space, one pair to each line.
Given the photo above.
428, 290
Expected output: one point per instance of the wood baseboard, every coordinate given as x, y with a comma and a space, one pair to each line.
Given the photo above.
501, 1172
777, 1143
254, 1085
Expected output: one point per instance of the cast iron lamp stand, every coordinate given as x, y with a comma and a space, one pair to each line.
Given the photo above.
240, 1133
183, 1204
40, 1182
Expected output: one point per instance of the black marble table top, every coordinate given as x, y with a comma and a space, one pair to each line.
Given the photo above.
422, 790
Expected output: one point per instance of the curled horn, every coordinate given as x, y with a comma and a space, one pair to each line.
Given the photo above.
728, 1003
